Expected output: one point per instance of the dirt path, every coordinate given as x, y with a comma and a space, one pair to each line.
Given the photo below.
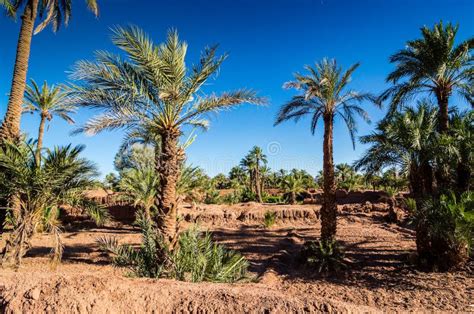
379, 278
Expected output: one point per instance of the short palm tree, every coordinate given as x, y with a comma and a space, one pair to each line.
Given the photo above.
407, 141
343, 173
41, 189
293, 185
48, 101
140, 187
47, 12
432, 64
324, 95
153, 91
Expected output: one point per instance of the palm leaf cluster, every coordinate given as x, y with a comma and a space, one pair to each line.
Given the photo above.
433, 64
38, 191
196, 257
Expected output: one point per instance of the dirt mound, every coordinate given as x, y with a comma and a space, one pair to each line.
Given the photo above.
250, 213
104, 294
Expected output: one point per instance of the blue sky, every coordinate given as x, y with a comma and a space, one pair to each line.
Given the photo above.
267, 42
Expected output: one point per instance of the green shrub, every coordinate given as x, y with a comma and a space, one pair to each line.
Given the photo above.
212, 197
326, 257
269, 218
273, 199
196, 257
232, 198
445, 231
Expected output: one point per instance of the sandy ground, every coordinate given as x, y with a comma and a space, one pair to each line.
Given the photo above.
378, 280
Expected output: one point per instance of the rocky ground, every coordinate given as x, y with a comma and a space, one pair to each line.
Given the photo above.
380, 277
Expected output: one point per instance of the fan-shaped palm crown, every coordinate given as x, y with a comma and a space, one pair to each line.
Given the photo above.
433, 64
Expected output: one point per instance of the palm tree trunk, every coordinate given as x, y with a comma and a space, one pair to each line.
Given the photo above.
329, 208
10, 129
443, 99
257, 185
168, 172
39, 145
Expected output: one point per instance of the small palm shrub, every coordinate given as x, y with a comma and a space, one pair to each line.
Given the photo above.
269, 219
39, 184
232, 198
212, 196
273, 199
195, 258
445, 231
149, 260
325, 257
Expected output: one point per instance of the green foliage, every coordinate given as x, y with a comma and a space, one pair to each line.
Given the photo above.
447, 223
273, 199
149, 260
38, 190
212, 196
326, 257
232, 198
196, 257
269, 219
431, 64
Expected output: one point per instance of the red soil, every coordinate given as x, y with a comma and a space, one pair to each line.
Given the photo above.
379, 278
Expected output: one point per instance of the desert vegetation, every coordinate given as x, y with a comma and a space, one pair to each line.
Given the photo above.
414, 178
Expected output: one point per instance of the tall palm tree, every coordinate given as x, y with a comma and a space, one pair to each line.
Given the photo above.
45, 12
48, 101
253, 163
324, 94
433, 64
153, 90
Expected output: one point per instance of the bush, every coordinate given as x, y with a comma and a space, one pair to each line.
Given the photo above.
273, 199
269, 219
232, 198
326, 257
247, 195
212, 197
196, 257
445, 231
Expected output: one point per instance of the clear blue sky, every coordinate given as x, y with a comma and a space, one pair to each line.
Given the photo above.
267, 42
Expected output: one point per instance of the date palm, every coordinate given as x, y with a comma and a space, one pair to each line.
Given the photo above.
253, 163
140, 187
433, 64
407, 141
293, 185
41, 189
324, 95
153, 90
48, 101
45, 12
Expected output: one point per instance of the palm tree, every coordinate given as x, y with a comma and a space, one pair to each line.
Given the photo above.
54, 12
41, 188
292, 185
407, 141
432, 64
324, 95
343, 173
140, 186
253, 164
153, 91
49, 101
